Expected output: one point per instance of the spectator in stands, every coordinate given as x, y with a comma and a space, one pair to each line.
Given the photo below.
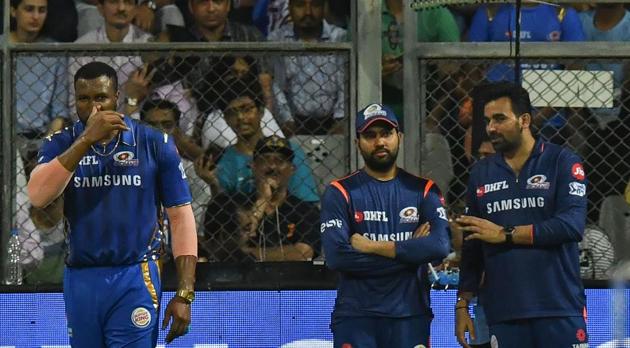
211, 24
434, 25
310, 95
607, 22
151, 15
597, 254
541, 23
269, 224
41, 230
118, 27
242, 122
270, 15
607, 158
40, 81
164, 115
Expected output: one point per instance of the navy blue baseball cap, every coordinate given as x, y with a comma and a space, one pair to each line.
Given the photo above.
373, 113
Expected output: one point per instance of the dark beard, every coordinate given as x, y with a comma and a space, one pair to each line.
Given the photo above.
508, 146
380, 165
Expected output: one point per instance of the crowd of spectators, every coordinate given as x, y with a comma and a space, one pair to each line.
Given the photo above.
243, 122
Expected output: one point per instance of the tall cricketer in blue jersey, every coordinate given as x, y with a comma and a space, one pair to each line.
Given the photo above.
116, 176
380, 227
526, 211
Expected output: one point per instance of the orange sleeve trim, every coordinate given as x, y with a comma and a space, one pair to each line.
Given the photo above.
427, 188
585, 314
531, 235
342, 189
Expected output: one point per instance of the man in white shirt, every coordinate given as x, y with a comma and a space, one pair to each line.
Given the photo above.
118, 15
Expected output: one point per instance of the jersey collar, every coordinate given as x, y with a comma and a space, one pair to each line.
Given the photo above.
129, 136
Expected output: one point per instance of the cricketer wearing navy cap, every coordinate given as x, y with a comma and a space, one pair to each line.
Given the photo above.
380, 226
373, 113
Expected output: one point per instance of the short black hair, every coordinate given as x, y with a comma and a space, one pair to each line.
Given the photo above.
94, 70
162, 104
518, 95
226, 90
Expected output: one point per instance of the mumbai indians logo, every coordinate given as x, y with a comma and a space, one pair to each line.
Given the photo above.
125, 159
374, 110
538, 181
408, 215
141, 317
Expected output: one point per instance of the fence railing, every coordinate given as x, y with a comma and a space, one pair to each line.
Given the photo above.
580, 94
221, 93
591, 121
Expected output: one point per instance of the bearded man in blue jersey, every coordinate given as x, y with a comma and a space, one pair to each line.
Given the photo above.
380, 227
526, 209
116, 175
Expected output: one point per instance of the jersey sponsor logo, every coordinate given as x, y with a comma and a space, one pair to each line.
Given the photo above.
442, 213
409, 215
358, 217
580, 335
578, 171
141, 317
495, 186
389, 237
88, 160
420, 346
554, 36
374, 110
370, 215
582, 345
515, 204
577, 189
524, 34
537, 182
346, 345
107, 181
331, 223
125, 159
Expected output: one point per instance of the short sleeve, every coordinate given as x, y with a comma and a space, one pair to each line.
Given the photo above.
172, 184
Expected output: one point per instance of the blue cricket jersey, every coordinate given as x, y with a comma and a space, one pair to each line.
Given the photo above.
528, 281
372, 285
113, 201
541, 23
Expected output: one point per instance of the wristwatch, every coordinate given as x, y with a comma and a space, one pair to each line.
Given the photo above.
509, 233
150, 4
186, 295
132, 101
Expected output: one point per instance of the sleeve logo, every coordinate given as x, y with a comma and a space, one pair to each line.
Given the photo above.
331, 223
577, 189
578, 171
442, 213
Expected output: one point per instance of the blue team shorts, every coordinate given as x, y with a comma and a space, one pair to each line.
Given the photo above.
555, 332
379, 332
113, 306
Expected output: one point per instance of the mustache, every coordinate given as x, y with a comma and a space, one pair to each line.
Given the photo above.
381, 150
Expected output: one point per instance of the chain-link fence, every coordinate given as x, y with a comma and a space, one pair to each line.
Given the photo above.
581, 103
255, 195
